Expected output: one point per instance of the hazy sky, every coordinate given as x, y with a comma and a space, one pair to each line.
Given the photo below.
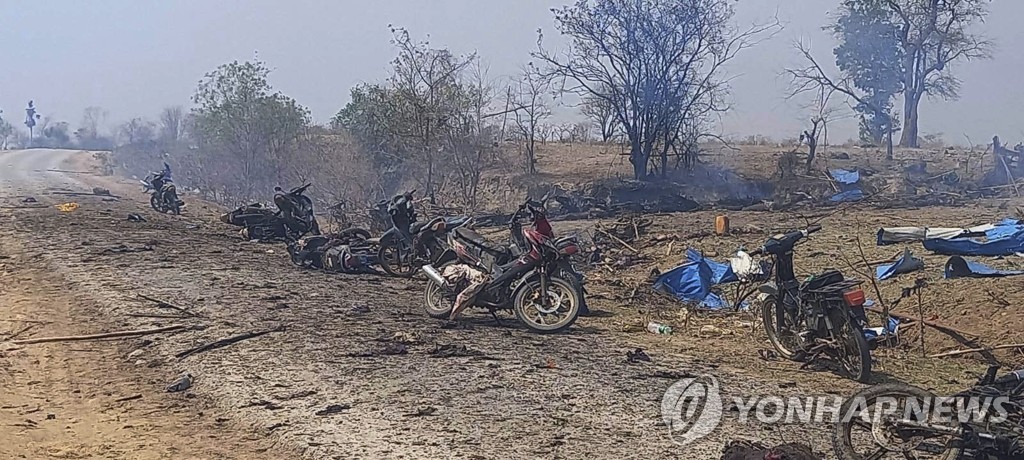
133, 57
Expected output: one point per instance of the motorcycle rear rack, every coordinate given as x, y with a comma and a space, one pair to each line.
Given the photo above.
836, 288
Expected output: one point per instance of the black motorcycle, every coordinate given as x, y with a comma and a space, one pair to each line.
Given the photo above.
896, 420
823, 315
293, 219
163, 194
410, 244
296, 209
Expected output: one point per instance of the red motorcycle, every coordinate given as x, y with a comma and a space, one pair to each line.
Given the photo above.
531, 284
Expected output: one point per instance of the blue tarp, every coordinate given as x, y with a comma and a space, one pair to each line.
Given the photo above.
692, 281
892, 329
845, 177
958, 267
1005, 239
905, 264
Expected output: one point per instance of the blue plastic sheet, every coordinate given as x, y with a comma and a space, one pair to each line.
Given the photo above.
905, 264
1005, 239
692, 281
845, 177
958, 267
892, 328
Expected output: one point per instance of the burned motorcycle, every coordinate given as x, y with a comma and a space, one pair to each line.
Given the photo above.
823, 315
293, 219
163, 194
410, 244
895, 420
346, 251
533, 285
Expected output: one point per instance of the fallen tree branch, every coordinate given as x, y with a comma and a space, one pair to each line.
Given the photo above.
631, 248
225, 342
108, 335
162, 304
976, 350
941, 327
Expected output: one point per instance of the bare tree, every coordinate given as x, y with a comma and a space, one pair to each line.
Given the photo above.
529, 89
812, 79
601, 114
656, 62
136, 131
172, 123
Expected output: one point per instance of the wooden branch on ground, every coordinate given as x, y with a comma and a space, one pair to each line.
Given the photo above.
976, 350
225, 342
631, 248
108, 335
932, 324
161, 304
85, 194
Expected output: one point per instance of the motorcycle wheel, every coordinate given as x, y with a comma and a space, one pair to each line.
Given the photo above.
390, 257
355, 234
155, 203
854, 355
784, 340
175, 207
857, 439
435, 300
530, 312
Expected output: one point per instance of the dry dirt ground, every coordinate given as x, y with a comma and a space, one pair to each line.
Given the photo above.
354, 369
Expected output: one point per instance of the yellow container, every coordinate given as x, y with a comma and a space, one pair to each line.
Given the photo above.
721, 225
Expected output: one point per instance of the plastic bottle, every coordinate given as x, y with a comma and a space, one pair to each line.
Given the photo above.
656, 328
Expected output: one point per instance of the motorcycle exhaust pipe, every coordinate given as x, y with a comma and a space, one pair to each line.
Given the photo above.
435, 276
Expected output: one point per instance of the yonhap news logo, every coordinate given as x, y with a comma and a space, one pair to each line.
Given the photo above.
692, 408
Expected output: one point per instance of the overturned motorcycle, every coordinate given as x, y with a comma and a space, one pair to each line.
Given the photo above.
343, 252
291, 221
532, 285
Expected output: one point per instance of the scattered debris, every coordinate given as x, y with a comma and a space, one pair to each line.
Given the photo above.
225, 342
333, 409
30, 199
637, 356
453, 351
359, 309
742, 449
422, 412
136, 218
128, 398
67, 207
181, 384
122, 249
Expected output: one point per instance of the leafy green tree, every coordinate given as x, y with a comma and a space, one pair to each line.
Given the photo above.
869, 53
238, 115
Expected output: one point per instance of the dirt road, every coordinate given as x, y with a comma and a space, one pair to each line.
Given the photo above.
353, 369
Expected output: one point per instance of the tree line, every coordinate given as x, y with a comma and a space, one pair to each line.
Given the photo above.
648, 74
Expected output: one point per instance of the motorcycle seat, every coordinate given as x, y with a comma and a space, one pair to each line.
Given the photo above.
416, 227
479, 241
453, 222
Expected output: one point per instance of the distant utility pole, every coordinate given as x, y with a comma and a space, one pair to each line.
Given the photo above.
30, 120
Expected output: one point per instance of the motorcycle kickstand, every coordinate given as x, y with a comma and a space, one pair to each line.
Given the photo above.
494, 315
